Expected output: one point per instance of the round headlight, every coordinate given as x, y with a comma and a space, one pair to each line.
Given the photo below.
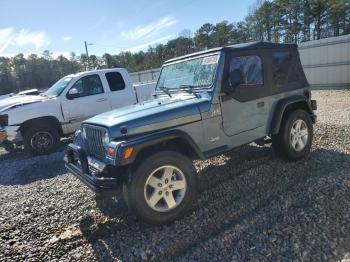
78, 138
105, 139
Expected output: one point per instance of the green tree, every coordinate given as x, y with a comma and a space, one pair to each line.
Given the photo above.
337, 15
19, 66
95, 62
319, 13
306, 21
6, 77
222, 34
203, 35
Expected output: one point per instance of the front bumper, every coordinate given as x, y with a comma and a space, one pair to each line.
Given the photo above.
90, 171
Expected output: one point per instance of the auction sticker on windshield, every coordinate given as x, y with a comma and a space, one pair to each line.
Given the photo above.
210, 60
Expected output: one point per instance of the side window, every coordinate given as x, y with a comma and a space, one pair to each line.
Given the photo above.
250, 67
283, 68
89, 85
115, 81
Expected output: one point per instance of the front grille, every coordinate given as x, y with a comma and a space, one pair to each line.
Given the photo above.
94, 140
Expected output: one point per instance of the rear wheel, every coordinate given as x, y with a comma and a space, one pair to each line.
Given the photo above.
293, 142
41, 140
162, 188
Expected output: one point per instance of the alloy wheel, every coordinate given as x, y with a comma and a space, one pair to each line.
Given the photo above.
299, 135
165, 188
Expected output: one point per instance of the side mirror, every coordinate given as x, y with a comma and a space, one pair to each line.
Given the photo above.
73, 93
235, 78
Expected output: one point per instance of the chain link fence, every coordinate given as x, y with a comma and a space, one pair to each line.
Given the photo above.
146, 76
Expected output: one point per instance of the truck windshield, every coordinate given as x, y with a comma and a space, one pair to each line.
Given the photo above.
193, 73
58, 87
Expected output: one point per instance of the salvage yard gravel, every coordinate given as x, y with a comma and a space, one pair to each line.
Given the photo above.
252, 206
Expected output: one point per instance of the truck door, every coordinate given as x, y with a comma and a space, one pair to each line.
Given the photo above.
90, 101
245, 109
121, 92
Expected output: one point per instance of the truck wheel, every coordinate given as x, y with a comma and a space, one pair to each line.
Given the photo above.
41, 140
293, 142
162, 188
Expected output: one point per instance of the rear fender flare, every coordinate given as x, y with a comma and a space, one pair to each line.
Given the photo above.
281, 108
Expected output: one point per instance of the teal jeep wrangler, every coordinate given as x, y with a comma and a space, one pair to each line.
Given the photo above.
205, 104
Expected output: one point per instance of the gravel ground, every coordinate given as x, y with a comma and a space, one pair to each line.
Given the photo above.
253, 206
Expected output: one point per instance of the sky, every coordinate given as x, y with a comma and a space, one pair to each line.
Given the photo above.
61, 27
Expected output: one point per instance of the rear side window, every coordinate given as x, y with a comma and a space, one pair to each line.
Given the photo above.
250, 67
115, 81
285, 68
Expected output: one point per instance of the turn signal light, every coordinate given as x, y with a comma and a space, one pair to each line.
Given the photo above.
111, 152
127, 152
3, 135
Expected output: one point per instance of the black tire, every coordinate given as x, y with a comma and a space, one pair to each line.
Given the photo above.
41, 140
135, 189
282, 142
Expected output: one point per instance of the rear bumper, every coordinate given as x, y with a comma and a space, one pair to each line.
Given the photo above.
80, 165
314, 118
313, 105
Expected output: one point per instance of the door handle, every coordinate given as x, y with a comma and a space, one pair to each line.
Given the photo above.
101, 100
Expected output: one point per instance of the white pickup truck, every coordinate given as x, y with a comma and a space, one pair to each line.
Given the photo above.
40, 121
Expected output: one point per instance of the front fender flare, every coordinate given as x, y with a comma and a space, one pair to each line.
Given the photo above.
144, 141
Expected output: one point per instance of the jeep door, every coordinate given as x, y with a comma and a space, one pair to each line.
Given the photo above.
245, 107
91, 100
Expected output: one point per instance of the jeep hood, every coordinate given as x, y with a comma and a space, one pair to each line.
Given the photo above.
152, 115
18, 100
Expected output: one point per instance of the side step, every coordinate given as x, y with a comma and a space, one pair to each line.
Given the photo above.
263, 141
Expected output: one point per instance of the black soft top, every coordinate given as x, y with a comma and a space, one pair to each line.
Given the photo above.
243, 46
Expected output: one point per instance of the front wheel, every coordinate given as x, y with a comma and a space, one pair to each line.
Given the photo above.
162, 188
41, 140
293, 142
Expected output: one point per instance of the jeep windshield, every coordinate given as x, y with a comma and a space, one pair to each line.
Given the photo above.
196, 73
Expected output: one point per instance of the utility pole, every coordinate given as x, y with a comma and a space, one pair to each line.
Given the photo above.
87, 56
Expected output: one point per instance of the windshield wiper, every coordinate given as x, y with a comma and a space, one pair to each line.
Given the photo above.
165, 90
190, 90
